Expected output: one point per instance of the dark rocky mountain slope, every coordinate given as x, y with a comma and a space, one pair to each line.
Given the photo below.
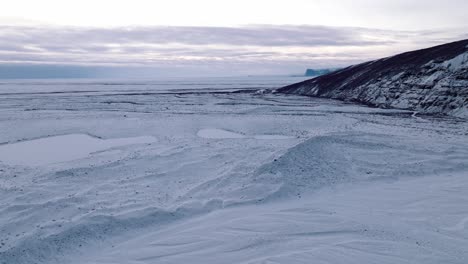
432, 81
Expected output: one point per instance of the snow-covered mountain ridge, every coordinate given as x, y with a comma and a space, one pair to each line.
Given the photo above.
431, 81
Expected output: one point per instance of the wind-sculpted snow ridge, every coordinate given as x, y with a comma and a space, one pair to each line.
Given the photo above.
51, 248
336, 159
318, 162
432, 81
272, 219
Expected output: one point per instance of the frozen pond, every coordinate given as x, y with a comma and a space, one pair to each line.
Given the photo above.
62, 148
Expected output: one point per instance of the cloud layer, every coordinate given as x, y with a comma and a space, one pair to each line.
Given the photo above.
275, 47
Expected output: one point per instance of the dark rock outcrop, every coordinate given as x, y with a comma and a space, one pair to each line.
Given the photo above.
433, 80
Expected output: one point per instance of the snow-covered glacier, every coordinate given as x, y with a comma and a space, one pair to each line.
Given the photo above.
209, 171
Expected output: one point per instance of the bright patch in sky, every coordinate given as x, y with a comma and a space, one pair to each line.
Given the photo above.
395, 14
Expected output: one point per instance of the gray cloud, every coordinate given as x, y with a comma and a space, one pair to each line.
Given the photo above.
272, 47
251, 35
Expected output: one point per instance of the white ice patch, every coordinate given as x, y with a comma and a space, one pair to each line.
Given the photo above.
275, 137
63, 148
457, 63
215, 133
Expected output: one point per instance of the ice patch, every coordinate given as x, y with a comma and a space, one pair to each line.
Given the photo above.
215, 133
275, 137
63, 148
457, 63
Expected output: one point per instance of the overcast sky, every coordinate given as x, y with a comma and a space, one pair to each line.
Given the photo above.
213, 37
